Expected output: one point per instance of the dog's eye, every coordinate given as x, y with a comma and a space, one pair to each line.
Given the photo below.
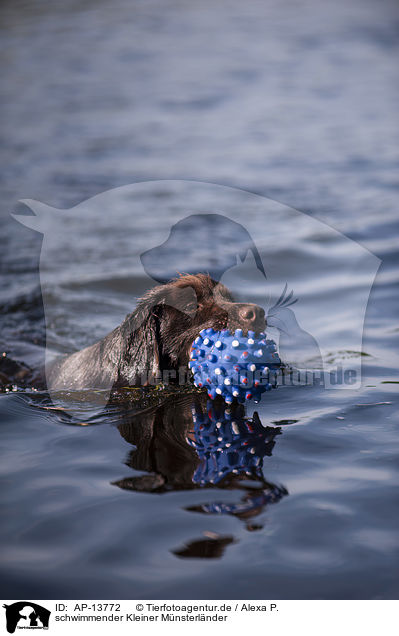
192, 306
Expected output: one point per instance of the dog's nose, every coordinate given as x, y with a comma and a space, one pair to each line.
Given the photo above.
252, 316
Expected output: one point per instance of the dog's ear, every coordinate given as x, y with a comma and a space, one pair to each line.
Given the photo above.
140, 362
143, 331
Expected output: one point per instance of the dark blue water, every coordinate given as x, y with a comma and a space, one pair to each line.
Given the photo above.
297, 103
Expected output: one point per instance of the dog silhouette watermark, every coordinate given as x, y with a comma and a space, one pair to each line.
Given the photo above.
26, 615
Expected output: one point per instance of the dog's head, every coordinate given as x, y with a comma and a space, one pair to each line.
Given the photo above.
178, 311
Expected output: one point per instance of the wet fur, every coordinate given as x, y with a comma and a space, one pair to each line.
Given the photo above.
156, 337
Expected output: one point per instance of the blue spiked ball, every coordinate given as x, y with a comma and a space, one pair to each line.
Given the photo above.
234, 365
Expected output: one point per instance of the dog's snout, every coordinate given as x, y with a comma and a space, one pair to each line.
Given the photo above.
252, 315
249, 312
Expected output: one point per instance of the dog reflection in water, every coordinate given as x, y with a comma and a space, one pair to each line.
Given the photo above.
193, 443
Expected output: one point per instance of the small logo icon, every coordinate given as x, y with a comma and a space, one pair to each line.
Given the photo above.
26, 615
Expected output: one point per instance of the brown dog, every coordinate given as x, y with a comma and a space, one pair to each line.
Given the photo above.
157, 336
